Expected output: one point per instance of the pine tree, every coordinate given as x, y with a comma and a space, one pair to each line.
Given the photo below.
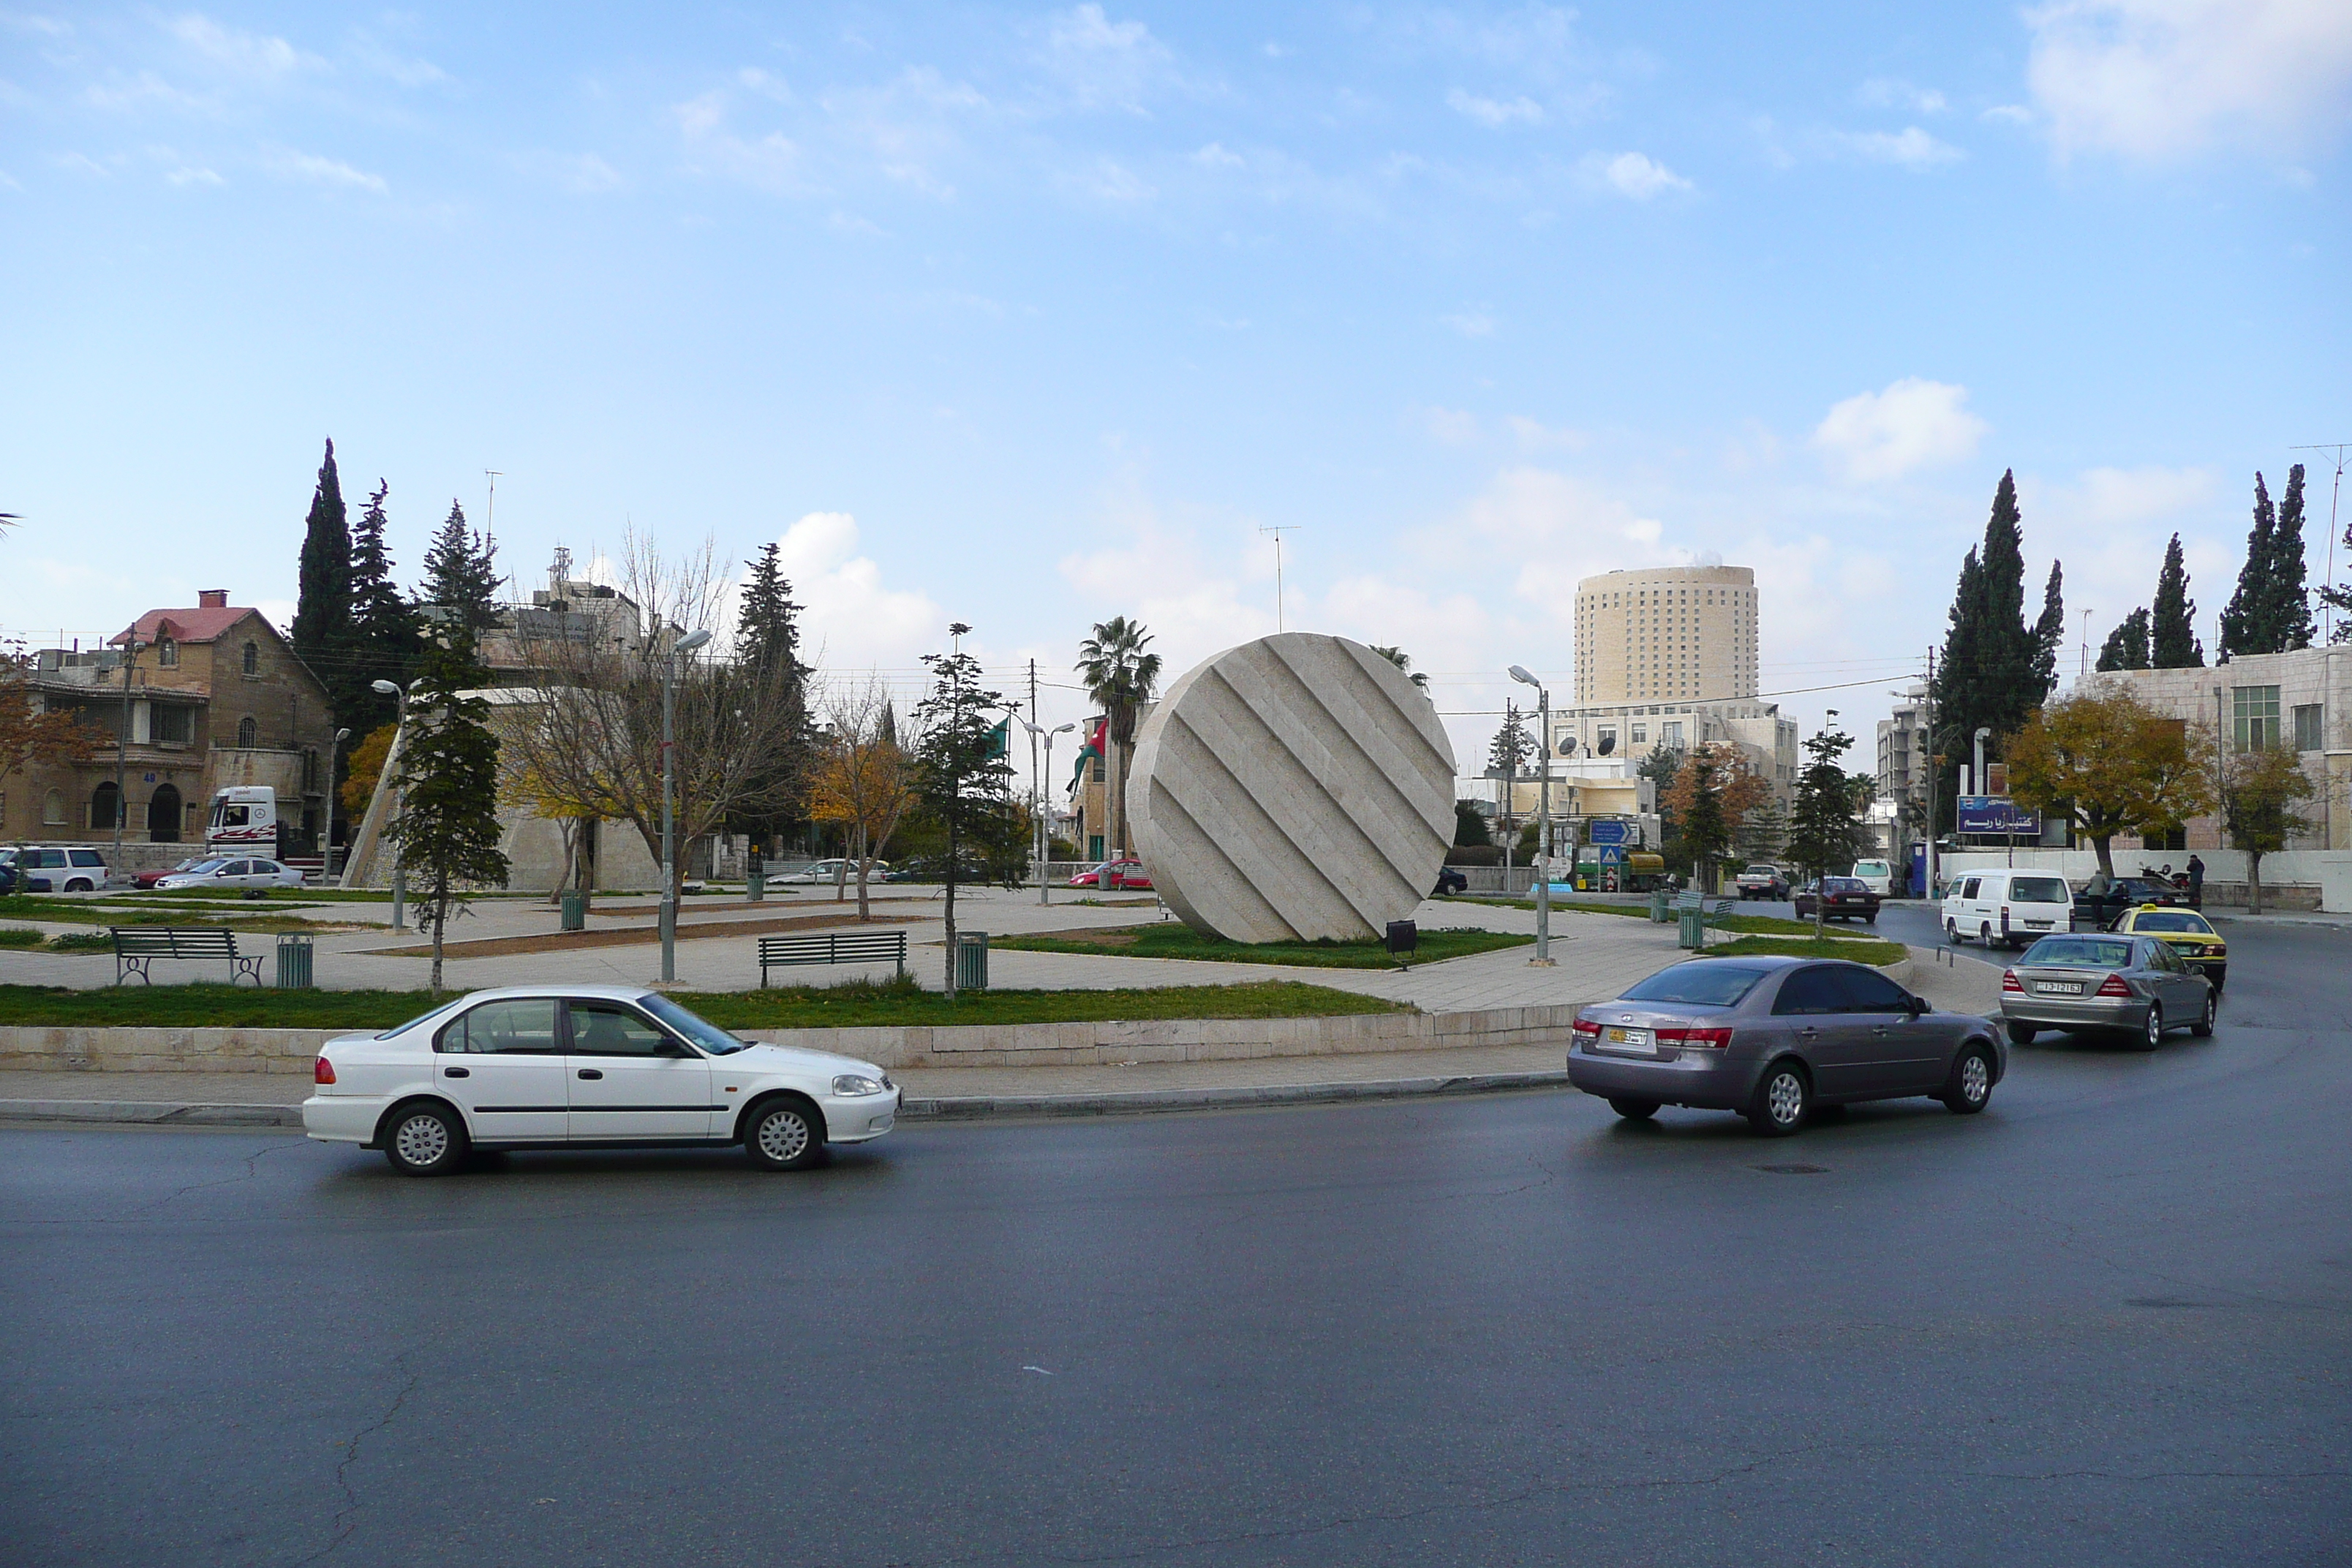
447, 832
322, 609
461, 576
2127, 645
2288, 621
961, 779
2171, 634
383, 624
767, 632
1824, 832
2048, 635
1985, 677
2244, 627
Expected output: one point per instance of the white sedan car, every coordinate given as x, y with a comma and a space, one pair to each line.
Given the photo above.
596, 1066
229, 873
831, 871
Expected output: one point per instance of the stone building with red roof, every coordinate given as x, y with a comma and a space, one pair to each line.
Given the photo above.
215, 697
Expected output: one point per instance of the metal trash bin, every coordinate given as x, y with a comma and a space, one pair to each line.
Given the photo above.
972, 961
575, 910
1693, 933
755, 887
1659, 914
295, 967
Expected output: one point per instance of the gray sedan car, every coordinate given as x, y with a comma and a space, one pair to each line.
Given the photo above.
1772, 1037
2134, 985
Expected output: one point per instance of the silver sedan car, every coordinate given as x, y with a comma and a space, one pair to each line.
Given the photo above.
2134, 985
1772, 1037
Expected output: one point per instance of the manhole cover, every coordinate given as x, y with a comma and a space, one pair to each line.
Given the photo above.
1795, 1170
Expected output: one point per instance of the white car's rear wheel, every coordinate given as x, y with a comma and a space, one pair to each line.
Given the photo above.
425, 1141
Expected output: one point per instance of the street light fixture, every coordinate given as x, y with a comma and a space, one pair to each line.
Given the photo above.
1543, 842
1044, 829
686, 644
399, 855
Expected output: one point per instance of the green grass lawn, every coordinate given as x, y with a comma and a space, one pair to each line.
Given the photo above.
1754, 925
1870, 950
854, 1004
1170, 939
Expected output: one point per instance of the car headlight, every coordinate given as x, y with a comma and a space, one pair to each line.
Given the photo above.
856, 1083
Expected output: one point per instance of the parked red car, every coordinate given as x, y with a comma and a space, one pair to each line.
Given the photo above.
1842, 897
149, 878
1114, 874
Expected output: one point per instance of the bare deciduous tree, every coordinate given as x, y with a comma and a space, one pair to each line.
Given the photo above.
594, 742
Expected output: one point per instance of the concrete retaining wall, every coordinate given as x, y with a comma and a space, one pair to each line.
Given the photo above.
988, 1045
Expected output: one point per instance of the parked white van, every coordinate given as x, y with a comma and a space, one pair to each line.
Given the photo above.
1878, 876
2009, 906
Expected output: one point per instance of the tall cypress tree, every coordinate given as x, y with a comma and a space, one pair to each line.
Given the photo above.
767, 630
2245, 618
382, 638
1988, 673
2171, 634
2127, 645
323, 608
2289, 618
461, 575
2048, 635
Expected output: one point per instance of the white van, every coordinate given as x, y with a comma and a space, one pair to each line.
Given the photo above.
2009, 906
1876, 875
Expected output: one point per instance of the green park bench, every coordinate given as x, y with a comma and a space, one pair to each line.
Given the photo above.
136, 947
835, 947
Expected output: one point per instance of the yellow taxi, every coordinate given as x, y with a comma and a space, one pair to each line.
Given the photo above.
2190, 936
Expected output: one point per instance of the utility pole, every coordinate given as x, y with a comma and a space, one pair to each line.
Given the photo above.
668, 917
1036, 781
1543, 841
122, 756
1279, 532
2086, 674
2339, 448
1934, 766
490, 510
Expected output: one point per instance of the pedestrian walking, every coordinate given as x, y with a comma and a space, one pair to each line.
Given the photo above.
2195, 883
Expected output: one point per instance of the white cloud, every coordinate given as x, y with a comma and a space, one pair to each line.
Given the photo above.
1451, 426
1109, 180
851, 619
1913, 424
2158, 80
1910, 148
39, 26
1534, 435
1494, 112
1629, 174
2007, 114
772, 162
1471, 323
584, 172
320, 171
248, 53
1103, 64
1892, 93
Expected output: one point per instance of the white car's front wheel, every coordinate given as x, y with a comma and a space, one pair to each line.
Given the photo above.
785, 1135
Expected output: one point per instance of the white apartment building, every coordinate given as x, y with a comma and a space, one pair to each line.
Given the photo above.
1608, 737
1675, 634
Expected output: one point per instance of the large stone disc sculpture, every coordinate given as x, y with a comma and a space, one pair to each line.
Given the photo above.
1294, 788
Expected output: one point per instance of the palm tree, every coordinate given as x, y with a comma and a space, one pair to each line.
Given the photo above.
1120, 677
1402, 661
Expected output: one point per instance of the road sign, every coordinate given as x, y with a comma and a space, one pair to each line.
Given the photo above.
1609, 854
1997, 814
1603, 830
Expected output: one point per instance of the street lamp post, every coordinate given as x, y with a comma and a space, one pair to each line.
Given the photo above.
1543, 841
1045, 828
399, 854
687, 644
122, 756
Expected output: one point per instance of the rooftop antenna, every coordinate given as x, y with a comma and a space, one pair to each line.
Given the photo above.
2339, 448
559, 570
491, 513
1279, 532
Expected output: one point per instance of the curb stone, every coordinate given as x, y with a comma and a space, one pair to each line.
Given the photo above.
941, 1107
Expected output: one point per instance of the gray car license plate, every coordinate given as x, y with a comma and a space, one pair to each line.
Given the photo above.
2060, 987
1635, 1042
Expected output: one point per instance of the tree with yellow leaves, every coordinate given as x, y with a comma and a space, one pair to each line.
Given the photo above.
864, 779
2109, 763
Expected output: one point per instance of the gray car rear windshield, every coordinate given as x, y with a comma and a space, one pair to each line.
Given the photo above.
1708, 982
2080, 953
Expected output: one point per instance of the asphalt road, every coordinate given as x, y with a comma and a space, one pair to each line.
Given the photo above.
2106, 1322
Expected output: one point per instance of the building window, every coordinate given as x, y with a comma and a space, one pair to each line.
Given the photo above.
1670, 733
248, 733
309, 768
167, 653
2306, 727
2254, 718
173, 725
1641, 733
2174, 838
252, 658
53, 809
105, 805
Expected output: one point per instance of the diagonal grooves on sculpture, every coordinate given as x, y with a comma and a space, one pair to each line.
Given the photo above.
1387, 824
1318, 829
1269, 836
1375, 723
1206, 840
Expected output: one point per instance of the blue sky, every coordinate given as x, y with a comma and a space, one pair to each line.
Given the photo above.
1028, 317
